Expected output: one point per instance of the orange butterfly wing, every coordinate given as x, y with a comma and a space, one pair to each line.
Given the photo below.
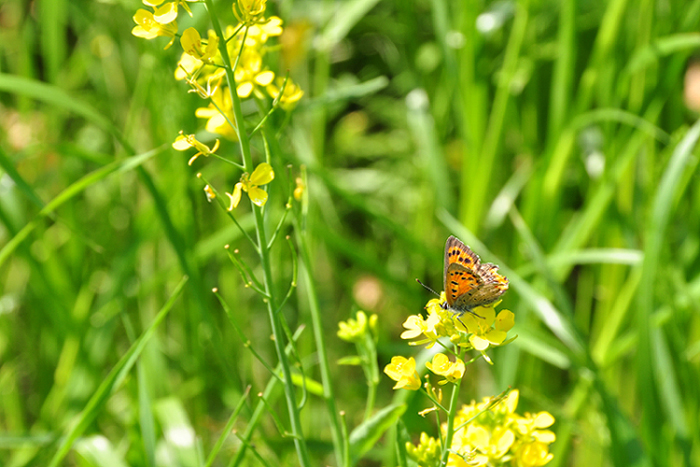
461, 277
468, 282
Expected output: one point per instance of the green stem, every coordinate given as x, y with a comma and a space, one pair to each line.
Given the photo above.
371, 371
319, 333
454, 402
299, 441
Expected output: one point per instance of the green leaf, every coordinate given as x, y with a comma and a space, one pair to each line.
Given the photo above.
367, 433
354, 360
314, 387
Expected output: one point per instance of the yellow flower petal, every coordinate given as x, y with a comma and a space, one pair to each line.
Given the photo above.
262, 174
257, 195
264, 78
479, 343
505, 320
191, 42
181, 143
543, 420
495, 337
235, 197
244, 89
545, 436
139, 31
166, 14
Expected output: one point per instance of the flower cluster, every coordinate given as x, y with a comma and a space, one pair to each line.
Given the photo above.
489, 433
492, 434
354, 330
478, 330
204, 68
159, 22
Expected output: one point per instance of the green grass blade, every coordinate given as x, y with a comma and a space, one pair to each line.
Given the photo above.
663, 206
113, 380
347, 16
73, 190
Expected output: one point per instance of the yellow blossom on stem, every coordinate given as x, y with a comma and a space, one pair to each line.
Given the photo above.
218, 114
403, 371
171, 5
147, 27
191, 43
289, 97
415, 326
490, 445
184, 142
260, 32
483, 334
187, 66
442, 366
262, 175
533, 455
354, 330
249, 11
250, 73
531, 425
427, 452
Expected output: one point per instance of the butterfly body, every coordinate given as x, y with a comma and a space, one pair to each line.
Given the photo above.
468, 282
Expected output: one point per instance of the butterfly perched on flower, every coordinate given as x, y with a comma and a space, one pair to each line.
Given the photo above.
468, 283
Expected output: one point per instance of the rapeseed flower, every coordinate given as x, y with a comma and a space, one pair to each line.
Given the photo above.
184, 142
262, 175
192, 44
354, 330
403, 371
442, 366
289, 97
148, 27
494, 435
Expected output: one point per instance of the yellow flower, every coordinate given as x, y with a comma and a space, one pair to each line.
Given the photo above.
262, 175
184, 142
353, 330
495, 435
427, 452
291, 95
259, 33
483, 334
216, 121
250, 73
187, 66
249, 11
533, 455
403, 371
489, 444
192, 44
442, 366
148, 27
531, 426
170, 7
415, 326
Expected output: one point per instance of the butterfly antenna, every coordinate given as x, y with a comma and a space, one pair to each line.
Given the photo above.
418, 280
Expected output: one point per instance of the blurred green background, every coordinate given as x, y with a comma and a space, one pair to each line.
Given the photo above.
556, 138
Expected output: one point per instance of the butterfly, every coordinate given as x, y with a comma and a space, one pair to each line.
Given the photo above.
468, 282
